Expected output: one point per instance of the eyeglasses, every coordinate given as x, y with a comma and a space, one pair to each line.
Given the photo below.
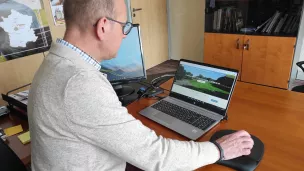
126, 27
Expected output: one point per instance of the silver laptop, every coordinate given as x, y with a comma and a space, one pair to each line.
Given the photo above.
199, 98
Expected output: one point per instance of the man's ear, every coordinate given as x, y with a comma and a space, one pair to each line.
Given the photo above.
102, 28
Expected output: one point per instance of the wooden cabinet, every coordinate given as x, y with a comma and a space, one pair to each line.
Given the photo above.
224, 50
264, 60
268, 60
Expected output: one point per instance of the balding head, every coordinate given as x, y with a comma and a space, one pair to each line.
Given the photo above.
85, 13
90, 28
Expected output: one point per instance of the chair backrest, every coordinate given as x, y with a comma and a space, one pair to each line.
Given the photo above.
301, 65
9, 161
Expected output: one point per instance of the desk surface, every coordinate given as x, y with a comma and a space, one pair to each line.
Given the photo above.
22, 151
275, 116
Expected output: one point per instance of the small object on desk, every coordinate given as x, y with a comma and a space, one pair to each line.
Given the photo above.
248, 30
3, 110
21, 96
13, 130
25, 138
17, 100
149, 92
2, 135
244, 163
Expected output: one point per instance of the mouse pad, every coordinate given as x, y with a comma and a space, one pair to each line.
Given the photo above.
244, 163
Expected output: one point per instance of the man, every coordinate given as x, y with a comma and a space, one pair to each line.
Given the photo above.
76, 119
6, 49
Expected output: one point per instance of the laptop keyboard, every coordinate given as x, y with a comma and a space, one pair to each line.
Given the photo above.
183, 114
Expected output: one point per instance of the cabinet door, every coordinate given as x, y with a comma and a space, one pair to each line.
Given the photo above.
224, 50
267, 60
152, 17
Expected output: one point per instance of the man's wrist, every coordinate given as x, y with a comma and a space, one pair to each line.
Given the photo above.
221, 151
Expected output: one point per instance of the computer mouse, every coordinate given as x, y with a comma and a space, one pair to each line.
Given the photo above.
244, 163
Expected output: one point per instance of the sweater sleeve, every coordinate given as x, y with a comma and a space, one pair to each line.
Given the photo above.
96, 116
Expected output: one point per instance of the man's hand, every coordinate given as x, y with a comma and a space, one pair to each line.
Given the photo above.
236, 144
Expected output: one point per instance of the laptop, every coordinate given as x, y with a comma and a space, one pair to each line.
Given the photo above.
198, 100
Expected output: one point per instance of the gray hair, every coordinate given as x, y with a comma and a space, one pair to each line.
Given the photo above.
85, 13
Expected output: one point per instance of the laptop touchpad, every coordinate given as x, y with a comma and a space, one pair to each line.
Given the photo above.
165, 118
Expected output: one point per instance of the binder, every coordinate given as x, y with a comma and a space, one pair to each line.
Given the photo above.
288, 24
215, 20
268, 24
274, 21
280, 24
219, 20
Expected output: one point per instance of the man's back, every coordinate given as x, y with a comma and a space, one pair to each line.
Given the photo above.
55, 143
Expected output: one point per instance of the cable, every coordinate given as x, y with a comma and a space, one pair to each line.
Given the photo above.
163, 76
18, 88
126, 95
158, 97
154, 85
144, 83
150, 85
141, 96
43, 54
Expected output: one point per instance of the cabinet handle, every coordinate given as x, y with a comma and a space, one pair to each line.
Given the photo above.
137, 9
247, 45
238, 43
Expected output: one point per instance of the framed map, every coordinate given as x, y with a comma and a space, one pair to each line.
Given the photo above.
24, 29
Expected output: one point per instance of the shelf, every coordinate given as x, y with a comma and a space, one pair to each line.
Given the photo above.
254, 34
280, 18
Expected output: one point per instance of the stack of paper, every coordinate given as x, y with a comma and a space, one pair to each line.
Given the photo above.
13, 130
25, 138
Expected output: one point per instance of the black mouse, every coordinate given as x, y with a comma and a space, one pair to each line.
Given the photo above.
244, 163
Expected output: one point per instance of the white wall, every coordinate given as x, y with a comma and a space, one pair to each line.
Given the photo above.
186, 21
300, 74
296, 73
129, 10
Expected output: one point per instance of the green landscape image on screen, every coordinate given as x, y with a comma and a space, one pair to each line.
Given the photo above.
205, 81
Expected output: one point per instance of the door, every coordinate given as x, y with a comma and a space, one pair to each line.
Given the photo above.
224, 50
152, 17
268, 60
186, 38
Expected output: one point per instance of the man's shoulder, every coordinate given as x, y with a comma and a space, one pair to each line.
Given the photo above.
69, 56
68, 71
89, 79
90, 86
89, 75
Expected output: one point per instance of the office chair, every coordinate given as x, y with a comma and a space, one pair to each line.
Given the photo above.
9, 161
299, 88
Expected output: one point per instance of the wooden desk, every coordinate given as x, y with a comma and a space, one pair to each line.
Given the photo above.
275, 116
22, 151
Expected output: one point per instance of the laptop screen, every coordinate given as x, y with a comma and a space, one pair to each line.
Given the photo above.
204, 85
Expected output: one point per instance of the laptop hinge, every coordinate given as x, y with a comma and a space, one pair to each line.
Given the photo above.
226, 117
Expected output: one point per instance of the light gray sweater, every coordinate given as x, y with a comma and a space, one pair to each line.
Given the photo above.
77, 123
